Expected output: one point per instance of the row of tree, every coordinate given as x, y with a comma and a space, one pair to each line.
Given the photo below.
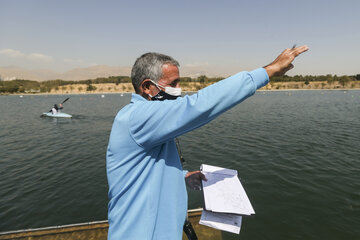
321, 78
19, 86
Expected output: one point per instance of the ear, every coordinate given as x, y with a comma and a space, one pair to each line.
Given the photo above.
145, 86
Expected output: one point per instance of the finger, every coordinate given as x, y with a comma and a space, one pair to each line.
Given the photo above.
192, 173
202, 176
286, 51
297, 51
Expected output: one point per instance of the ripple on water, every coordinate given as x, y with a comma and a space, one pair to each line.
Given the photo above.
297, 157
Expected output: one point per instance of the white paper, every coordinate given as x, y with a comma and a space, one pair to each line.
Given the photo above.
220, 170
222, 221
223, 191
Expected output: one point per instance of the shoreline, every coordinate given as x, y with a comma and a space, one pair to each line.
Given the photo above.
121, 88
98, 93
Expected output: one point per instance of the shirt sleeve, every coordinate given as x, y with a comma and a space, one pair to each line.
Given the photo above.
155, 122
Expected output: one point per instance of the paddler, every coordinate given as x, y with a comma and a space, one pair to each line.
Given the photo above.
55, 109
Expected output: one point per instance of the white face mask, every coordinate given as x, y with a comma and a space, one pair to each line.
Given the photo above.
169, 90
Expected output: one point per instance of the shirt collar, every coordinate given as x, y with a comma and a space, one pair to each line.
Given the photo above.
136, 98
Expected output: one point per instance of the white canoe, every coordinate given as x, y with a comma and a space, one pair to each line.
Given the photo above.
57, 115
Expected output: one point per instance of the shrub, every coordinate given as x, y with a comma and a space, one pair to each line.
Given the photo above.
90, 88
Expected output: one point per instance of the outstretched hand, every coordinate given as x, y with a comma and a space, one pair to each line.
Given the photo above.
283, 62
193, 179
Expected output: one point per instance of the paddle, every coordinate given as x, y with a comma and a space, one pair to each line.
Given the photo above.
65, 100
61, 103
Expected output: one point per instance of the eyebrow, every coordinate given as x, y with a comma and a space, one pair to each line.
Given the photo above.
175, 81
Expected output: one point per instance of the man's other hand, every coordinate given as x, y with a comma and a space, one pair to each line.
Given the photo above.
282, 63
193, 180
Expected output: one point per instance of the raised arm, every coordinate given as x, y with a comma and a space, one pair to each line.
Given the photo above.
153, 123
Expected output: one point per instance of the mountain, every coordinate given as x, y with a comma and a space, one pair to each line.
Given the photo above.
95, 72
196, 71
10, 73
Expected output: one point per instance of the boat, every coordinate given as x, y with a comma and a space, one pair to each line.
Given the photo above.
57, 115
98, 230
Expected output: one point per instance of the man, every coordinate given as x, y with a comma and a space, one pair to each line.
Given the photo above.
147, 193
55, 109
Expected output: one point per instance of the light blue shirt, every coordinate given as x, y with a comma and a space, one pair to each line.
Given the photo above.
147, 192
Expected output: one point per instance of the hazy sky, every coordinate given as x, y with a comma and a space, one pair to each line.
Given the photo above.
230, 36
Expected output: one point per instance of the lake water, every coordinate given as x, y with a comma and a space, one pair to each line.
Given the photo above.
297, 154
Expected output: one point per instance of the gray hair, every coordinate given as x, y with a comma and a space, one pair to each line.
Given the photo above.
149, 66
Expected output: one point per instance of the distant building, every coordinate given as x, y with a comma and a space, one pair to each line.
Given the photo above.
10, 78
32, 91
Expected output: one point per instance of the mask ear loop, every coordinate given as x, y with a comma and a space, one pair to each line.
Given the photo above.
157, 85
151, 96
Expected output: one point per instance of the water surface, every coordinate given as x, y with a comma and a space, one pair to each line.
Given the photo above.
296, 152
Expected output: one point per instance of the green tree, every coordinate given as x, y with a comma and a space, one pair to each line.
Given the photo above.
202, 79
90, 88
21, 89
45, 89
12, 89
344, 80
329, 79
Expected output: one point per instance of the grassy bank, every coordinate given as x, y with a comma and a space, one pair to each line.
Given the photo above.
83, 88
195, 86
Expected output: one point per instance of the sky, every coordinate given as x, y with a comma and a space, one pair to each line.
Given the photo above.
227, 36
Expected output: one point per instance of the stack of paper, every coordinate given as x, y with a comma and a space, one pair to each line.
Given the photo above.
225, 199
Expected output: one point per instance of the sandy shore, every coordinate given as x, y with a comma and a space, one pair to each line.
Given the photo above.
195, 86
